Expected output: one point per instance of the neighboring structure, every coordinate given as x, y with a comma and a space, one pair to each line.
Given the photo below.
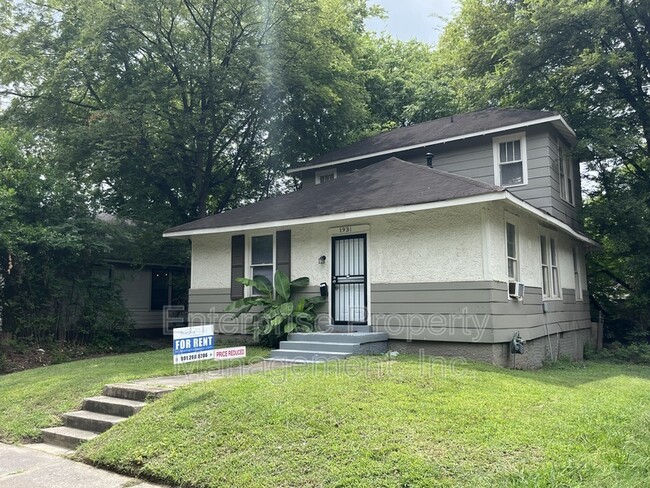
148, 289
457, 258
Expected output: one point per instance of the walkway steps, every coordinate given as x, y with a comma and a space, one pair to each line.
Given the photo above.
112, 406
66, 436
91, 421
100, 413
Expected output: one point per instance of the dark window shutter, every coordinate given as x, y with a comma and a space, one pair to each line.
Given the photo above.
283, 252
237, 267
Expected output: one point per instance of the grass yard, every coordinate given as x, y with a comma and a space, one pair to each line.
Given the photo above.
394, 424
32, 399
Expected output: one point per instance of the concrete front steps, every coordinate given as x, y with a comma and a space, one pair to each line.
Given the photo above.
318, 347
100, 413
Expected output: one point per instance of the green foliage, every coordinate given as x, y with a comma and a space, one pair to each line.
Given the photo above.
589, 60
631, 353
174, 110
280, 313
50, 249
410, 422
405, 82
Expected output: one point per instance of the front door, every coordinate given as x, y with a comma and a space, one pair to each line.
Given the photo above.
349, 280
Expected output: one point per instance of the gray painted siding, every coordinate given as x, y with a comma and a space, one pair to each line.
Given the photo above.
469, 311
206, 306
474, 158
456, 312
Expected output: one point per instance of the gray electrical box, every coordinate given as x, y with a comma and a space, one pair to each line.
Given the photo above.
517, 344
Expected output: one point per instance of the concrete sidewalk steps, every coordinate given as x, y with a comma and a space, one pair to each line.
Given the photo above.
100, 413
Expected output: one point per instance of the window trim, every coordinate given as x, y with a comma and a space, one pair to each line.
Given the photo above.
248, 266
324, 172
496, 142
551, 243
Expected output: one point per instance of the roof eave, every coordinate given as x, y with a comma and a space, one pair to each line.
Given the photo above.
549, 219
484, 197
359, 214
557, 120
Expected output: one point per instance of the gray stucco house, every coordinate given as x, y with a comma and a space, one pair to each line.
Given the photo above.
452, 236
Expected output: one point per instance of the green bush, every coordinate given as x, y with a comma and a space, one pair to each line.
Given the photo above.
632, 353
280, 313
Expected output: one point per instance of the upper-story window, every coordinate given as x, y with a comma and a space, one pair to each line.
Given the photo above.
510, 165
325, 175
566, 174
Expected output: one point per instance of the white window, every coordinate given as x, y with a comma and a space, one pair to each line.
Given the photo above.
261, 258
510, 165
512, 254
566, 174
325, 175
550, 269
576, 274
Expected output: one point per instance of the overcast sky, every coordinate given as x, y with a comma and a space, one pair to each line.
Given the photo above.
408, 19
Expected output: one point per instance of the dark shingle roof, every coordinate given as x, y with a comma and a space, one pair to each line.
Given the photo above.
389, 183
432, 131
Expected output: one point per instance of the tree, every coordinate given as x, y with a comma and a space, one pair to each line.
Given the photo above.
405, 82
51, 248
177, 109
589, 60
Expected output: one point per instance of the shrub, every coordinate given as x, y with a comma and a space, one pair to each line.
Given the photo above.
280, 313
632, 353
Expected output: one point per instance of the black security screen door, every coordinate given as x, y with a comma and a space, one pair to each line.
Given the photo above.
349, 280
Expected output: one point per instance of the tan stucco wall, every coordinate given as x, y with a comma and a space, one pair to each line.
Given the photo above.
211, 261
529, 249
428, 246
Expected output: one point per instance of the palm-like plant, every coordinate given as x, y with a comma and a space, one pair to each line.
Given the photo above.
279, 313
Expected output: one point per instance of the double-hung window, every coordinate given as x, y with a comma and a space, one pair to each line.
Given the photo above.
512, 255
510, 165
261, 258
566, 174
576, 274
550, 269
258, 255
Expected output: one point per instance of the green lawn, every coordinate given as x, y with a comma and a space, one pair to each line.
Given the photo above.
396, 424
35, 398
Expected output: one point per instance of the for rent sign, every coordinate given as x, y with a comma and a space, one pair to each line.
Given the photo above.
193, 344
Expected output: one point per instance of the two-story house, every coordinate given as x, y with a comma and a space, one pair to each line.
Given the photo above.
452, 237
